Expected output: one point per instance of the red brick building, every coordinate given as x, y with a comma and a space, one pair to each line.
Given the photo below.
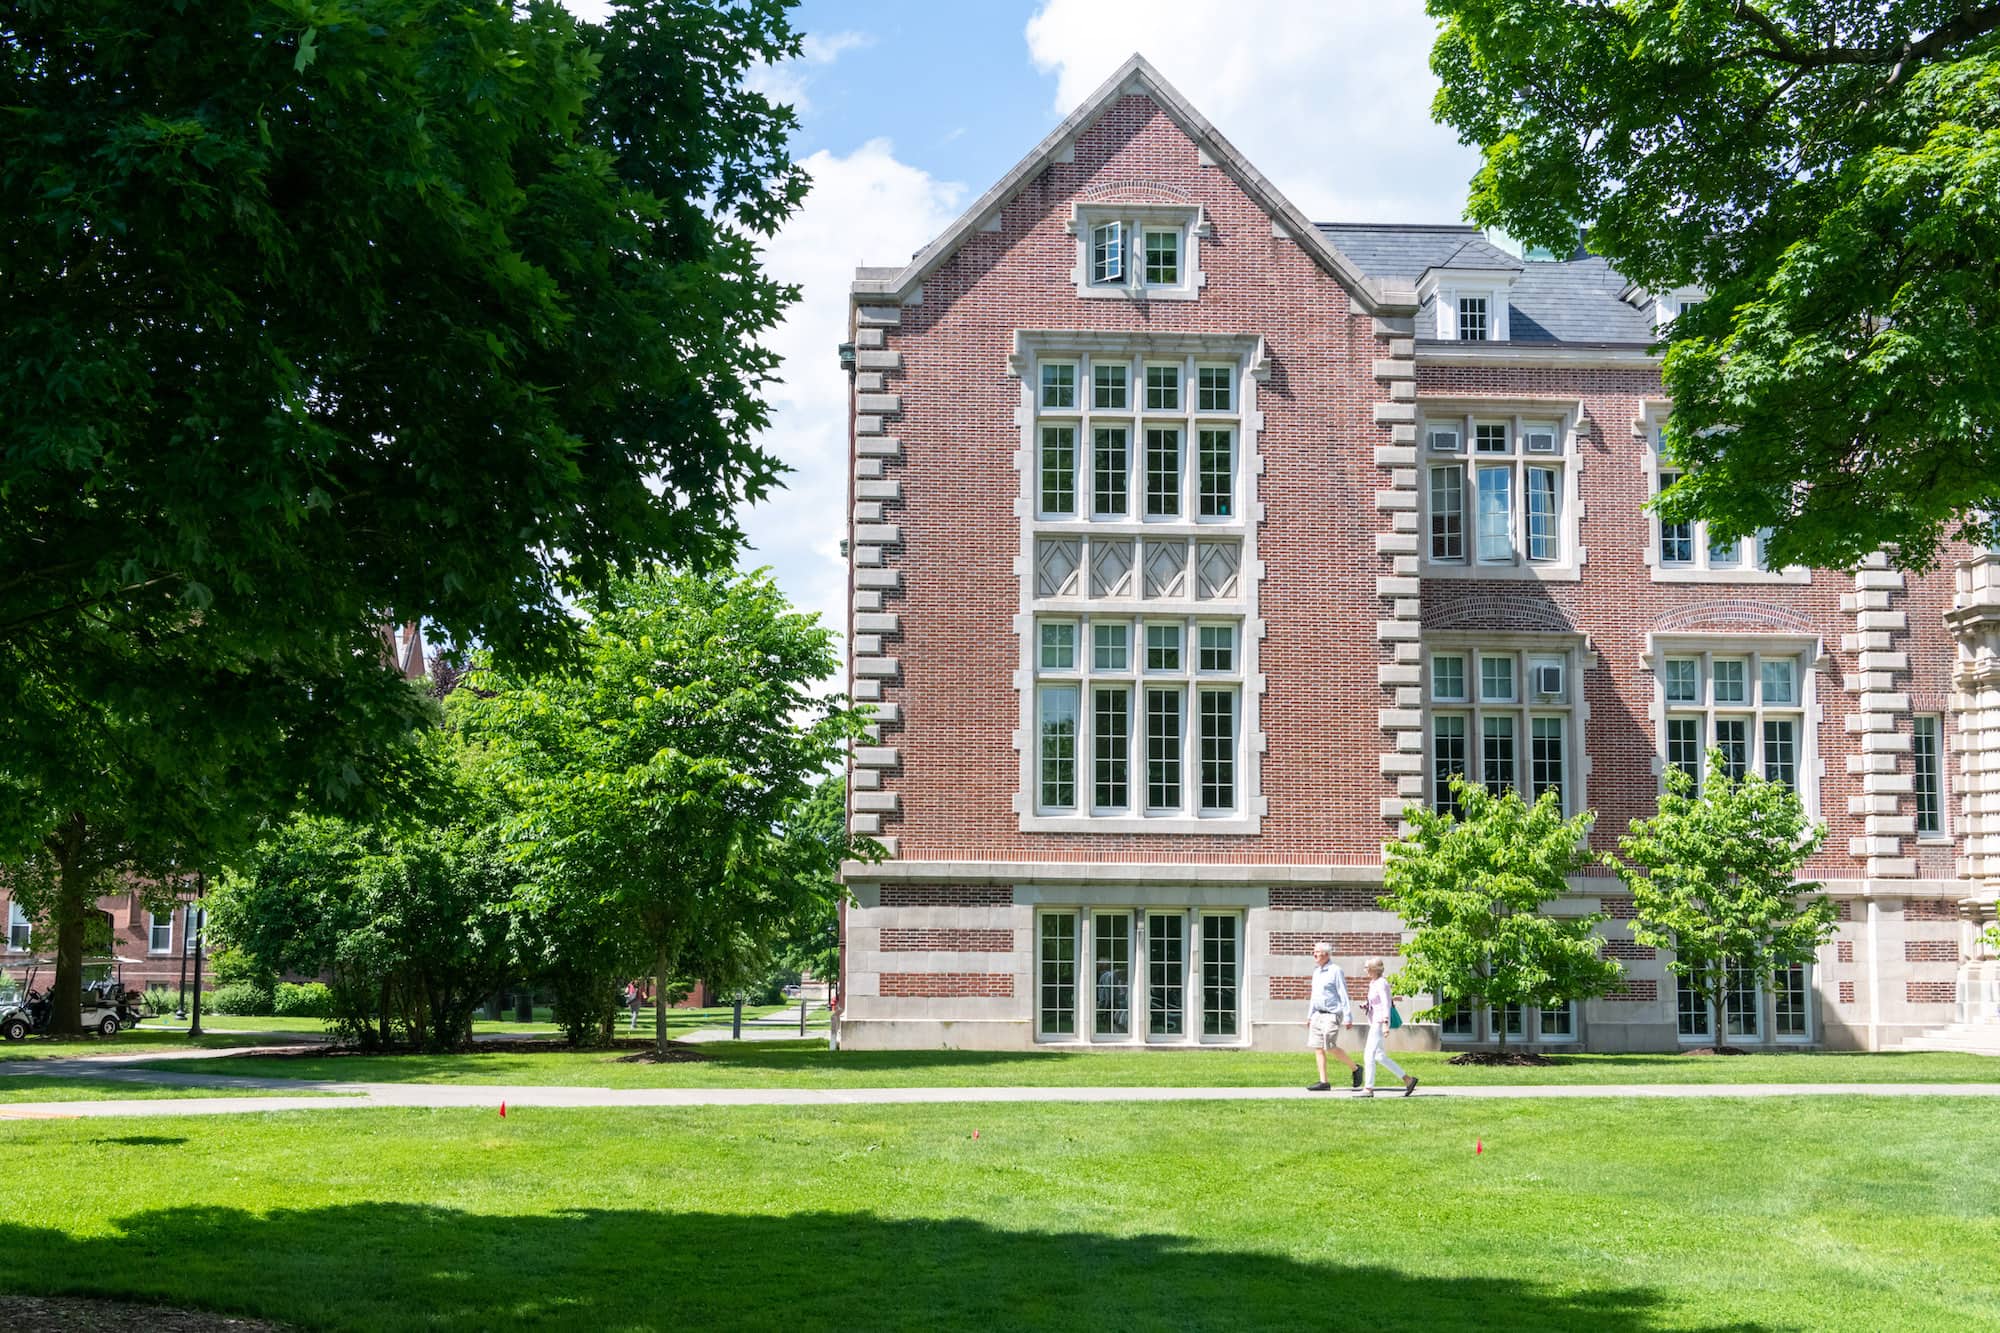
1192, 542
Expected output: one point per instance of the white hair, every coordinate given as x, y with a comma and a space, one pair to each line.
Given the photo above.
1323, 947
1377, 965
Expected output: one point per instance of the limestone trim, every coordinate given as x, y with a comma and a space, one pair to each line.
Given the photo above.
1975, 622
1882, 720
1399, 584
873, 546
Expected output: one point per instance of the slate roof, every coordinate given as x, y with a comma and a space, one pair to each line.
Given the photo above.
1568, 301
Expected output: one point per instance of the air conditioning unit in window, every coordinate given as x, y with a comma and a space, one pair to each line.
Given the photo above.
1541, 441
1548, 678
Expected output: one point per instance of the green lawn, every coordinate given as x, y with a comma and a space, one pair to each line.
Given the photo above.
19, 1088
808, 1064
1613, 1216
134, 1041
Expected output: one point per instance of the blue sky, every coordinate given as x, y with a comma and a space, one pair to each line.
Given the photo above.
909, 111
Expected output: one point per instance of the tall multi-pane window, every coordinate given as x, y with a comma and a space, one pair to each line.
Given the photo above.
1472, 325
1055, 975
1748, 706
1448, 512
1163, 258
1509, 496
1215, 452
1740, 1000
1111, 747
1163, 749
20, 931
1166, 974
1691, 1012
1058, 746
1927, 773
1789, 998
1110, 471
1221, 973
1515, 707
1676, 539
1138, 714
159, 933
1111, 974
1163, 472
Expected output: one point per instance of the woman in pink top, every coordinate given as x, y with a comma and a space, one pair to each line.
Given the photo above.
1380, 1001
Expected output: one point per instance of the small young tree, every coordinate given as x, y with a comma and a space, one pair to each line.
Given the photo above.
1713, 878
1472, 888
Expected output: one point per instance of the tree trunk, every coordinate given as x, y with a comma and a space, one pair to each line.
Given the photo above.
71, 912
1720, 1032
660, 1001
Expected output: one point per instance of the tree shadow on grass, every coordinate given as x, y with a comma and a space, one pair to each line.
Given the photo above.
388, 1265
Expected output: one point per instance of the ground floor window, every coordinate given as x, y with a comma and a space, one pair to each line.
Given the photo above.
1532, 1023
1156, 975
1748, 1007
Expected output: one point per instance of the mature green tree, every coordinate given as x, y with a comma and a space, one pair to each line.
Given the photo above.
1826, 169
1713, 877
1472, 886
317, 315
654, 786
413, 917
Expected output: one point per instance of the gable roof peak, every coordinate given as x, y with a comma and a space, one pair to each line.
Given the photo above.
1137, 77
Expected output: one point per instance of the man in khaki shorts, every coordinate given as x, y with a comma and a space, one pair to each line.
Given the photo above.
1327, 1012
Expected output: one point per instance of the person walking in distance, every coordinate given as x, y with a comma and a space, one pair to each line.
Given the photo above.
634, 997
1381, 1004
1328, 1010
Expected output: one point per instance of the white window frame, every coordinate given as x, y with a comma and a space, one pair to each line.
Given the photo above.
1524, 707
1189, 222
1485, 1023
1444, 289
1939, 731
1448, 434
1763, 1013
1190, 535
1809, 765
153, 926
1749, 566
19, 927
1086, 923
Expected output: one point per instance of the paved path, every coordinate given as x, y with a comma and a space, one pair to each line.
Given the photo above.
489, 1096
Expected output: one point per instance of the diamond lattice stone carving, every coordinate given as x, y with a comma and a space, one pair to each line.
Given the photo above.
1110, 568
1057, 564
1216, 568
1166, 569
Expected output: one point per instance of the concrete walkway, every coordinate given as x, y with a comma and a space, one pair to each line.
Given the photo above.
490, 1096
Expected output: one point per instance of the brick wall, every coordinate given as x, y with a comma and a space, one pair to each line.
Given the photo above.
1346, 943
1626, 949
1930, 909
1643, 991
935, 984
1310, 898
946, 895
1847, 992
1291, 988
1619, 907
1930, 992
1843, 951
1930, 951
942, 939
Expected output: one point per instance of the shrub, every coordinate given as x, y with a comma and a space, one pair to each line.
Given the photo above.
311, 1000
241, 998
232, 965
162, 999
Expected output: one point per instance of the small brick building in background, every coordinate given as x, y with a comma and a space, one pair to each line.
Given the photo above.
1192, 542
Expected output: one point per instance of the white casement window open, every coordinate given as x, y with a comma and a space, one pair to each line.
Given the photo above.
1504, 719
1502, 503
1107, 253
1750, 706
1138, 974
1147, 722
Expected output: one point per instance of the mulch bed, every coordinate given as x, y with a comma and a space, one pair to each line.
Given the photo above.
1716, 1050
1511, 1059
676, 1054
35, 1314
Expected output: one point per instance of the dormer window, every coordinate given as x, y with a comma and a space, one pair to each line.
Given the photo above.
1139, 251
1472, 324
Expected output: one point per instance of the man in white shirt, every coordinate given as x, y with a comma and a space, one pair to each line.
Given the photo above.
1327, 1012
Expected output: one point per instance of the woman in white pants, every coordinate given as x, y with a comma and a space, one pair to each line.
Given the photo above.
1380, 1001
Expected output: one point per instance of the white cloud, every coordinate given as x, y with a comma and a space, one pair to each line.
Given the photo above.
787, 81
1331, 101
864, 208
